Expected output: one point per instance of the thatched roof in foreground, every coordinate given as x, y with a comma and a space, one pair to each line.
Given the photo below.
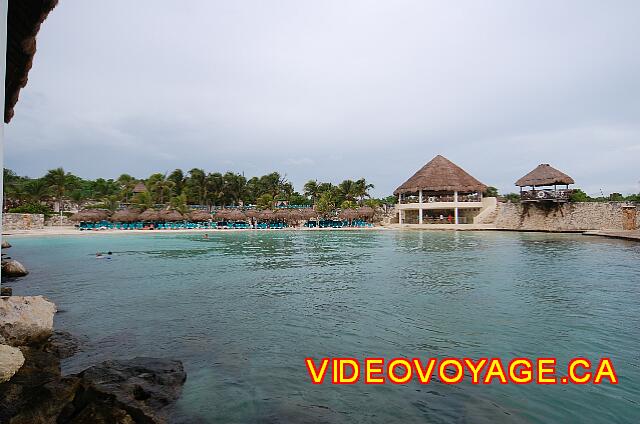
543, 175
23, 23
440, 174
90, 215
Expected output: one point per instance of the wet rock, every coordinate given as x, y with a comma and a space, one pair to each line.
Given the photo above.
13, 268
5, 291
11, 359
114, 392
37, 393
26, 320
5, 244
139, 389
64, 344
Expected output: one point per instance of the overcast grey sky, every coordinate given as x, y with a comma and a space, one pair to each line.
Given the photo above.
335, 89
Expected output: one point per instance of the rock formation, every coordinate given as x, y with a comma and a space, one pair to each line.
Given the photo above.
11, 359
25, 320
13, 268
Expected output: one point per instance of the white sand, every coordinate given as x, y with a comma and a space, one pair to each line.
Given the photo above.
68, 231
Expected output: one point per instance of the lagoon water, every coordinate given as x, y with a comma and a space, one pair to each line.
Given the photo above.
243, 309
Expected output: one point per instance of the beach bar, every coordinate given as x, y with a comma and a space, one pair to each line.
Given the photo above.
441, 193
541, 185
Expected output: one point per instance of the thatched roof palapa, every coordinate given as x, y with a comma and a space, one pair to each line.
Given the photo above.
440, 174
267, 214
544, 175
127, 215
139, 187
23, 23
348, 214
308, 213
149, 215
199, 216
236, 215
90, 215
366, 212
252, 213
171, 216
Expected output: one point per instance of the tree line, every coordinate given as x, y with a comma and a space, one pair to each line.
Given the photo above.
177, 190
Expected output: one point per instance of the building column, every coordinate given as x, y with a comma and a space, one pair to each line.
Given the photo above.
455, 209
399, 210
3, 55
420, 210
400, 216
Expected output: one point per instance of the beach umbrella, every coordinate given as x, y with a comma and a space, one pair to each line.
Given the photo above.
366, 212
221, 215
282, 214
267, 215
348, 214
295, 215
90, 215
149, 215
171, 216
126, 215
199, 216
252, 213
237, 215
308, 213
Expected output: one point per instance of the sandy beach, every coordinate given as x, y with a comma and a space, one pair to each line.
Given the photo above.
73, 231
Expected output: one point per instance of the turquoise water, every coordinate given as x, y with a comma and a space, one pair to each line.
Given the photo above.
243, 309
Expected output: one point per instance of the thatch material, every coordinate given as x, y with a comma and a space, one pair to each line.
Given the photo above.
282, 214
23, 23
90, 215
221, 215
295, 215
139, 187
267, 214
252, 213
171, 216
236, 215
199, 216
366, 212
440, 174
308, 213
348, 214
127, 215
544, 175
149, 215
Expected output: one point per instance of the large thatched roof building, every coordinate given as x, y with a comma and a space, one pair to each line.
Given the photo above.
440, 174
440, 192
24, 18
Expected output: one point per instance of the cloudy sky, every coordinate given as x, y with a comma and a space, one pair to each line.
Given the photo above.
335, 89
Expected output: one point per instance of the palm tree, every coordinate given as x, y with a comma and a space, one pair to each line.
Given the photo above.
36, 190
179, 180
59, 181
143, 201
179, 203
234, 186
111, 203
196, 185
362, 189
214, 189
160, 186
348, 190
311, 189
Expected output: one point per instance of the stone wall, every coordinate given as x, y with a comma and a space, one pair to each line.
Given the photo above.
22, 221
564, 217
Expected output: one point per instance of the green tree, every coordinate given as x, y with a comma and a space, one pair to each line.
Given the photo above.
312, 190
326, 204
579, 196
143, 201
362, 189
196, 186
348, 204
491, 192
179, 203
179, 181
264, 202
234, 185
36, 191
160, 187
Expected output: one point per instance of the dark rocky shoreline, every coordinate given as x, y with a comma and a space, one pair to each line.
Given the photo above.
140, 390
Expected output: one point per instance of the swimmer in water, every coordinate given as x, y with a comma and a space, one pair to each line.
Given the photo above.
98, 255
205, 236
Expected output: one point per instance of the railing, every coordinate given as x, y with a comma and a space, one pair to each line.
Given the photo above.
541, 195
441, 198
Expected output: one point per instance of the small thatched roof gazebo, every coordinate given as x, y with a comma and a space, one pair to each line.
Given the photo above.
139, 188
545, 175
366, 212
440, 174
282, 214
149, 215
221, 215
294, 215
90, 215
171, 216
127, 215
267, 215
199, 216
252, 213
236, 215
308, 213
348, 214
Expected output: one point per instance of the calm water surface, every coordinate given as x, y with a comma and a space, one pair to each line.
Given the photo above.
243, 310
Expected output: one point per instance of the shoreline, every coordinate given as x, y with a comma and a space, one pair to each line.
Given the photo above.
70, 231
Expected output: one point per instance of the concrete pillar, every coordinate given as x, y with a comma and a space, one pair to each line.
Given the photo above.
400, 216
420, 210
420, 216
3, 56
455, 209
